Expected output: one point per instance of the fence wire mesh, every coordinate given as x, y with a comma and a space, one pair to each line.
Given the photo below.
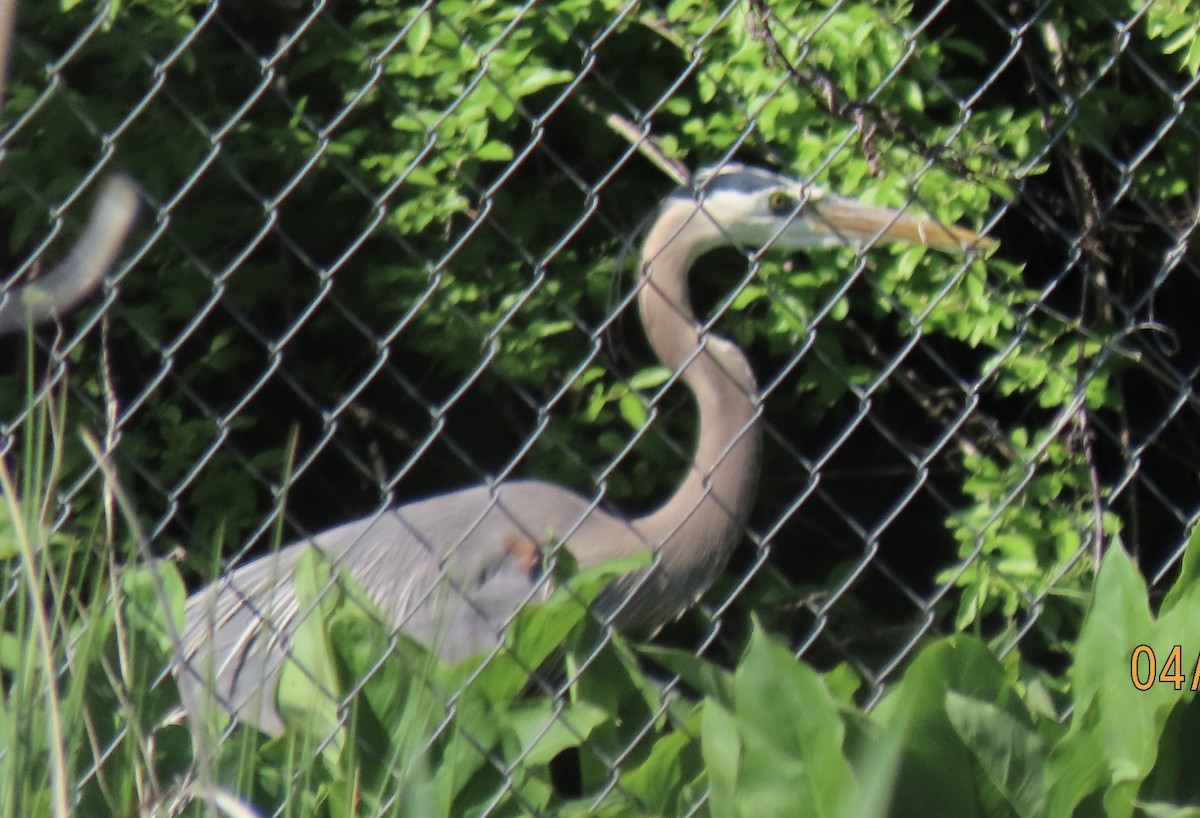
387, 251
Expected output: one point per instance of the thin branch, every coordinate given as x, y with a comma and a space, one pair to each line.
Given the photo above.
640, 138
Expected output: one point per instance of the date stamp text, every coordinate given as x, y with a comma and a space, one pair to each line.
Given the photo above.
1144, 669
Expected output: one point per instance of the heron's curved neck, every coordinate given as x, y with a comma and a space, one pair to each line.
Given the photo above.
698, 526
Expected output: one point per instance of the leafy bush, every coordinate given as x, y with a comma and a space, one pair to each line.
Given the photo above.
627, 729
371, 225
416, 209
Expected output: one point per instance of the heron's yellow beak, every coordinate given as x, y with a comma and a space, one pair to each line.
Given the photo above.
848, 220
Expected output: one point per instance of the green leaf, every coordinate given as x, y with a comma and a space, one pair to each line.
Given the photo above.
418, 35
785, 711
1173, 778
1008, 751
148, 588
938, 773
12, 649
1161, 810
632, 410
1075, 769
496, 151
308, 695
877, 766
540, 630
1189, 573
712, 681
720, 744
667, 769
1125, 722
651, 377
1117, 620
532, 81
544, 729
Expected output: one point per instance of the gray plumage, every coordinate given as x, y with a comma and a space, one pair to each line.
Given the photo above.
463, 578
452, 570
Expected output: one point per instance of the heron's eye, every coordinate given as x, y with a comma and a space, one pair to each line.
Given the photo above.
781, 202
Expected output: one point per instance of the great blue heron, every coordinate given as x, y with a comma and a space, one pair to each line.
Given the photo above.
452, 570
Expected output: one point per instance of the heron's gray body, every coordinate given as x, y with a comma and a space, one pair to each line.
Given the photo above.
452, 570
466, 573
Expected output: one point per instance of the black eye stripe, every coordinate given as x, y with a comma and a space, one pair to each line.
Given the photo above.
738, 178
745, 180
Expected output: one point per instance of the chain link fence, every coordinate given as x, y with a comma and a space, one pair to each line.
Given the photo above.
386, 251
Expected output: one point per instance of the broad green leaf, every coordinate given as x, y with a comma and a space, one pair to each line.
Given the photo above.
938, 773
1112, 718
787, 704
667, 769
710, 680
495, 151
1126, 720
877, 766
1075, 768
1010, 754
632, 410
720, 744
649, 378
532, 81
149, 591
539, 630
1173, 778
1189, 573
308, 695
545, 729
419, 33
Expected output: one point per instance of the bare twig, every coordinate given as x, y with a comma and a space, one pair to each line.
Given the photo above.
1086, 199
643, 141
869, 119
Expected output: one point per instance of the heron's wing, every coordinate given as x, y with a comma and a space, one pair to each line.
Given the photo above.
450, 571
236, 635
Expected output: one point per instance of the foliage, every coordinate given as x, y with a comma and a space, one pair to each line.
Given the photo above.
376, 224
1174, 22
646, 731
428, 188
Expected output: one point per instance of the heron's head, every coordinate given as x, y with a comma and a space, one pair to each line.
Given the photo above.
758, 208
